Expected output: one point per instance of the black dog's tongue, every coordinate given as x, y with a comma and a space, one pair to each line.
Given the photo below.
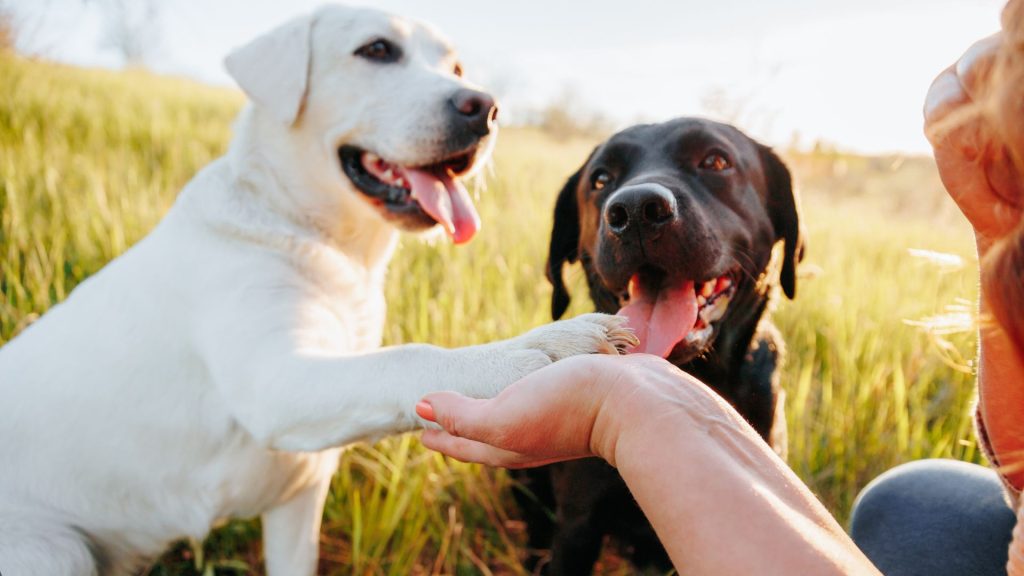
661, 318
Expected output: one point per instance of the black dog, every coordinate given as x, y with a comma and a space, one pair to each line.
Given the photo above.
675, 225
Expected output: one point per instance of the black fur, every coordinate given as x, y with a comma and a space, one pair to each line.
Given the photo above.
569, 507
785, 217
565, 240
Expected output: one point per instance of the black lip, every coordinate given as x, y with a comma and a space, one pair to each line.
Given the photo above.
456, 164
396, 204
351, 163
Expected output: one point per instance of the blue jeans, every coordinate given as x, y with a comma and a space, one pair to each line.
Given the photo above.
934, 518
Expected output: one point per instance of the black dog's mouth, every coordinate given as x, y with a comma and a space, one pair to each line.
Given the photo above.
421, 196
675, 317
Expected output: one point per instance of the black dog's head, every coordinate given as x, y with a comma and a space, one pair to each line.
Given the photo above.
675, 224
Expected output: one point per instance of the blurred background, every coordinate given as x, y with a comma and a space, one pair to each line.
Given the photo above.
849, 74
108, 107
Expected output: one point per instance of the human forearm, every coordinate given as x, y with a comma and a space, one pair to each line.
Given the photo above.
720, 500
721, 483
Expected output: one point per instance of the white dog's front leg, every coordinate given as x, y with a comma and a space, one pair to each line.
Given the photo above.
291, 532
278, 381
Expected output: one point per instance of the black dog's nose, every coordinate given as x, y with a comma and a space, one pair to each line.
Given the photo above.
477, 109
649, 207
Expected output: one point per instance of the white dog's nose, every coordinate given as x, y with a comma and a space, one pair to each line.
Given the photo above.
477, 109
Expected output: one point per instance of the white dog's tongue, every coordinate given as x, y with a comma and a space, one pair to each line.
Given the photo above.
447, 201
660, 320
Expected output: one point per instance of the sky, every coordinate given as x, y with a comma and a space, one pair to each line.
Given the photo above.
852, 74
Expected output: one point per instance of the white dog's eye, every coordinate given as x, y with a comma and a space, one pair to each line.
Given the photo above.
457, 69
380, 50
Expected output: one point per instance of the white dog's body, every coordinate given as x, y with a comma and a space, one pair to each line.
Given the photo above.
213, 369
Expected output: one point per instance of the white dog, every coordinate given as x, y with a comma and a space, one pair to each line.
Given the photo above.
213, 370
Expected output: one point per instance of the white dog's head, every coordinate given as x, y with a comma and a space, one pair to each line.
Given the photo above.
376, 108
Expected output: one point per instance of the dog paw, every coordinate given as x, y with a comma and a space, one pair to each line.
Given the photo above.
586, 334
499, 364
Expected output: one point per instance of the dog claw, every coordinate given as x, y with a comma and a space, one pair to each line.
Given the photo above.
619, 338
623, 339
586, 334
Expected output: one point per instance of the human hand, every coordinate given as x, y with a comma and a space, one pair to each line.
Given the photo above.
975, 130
699, 472
575, 408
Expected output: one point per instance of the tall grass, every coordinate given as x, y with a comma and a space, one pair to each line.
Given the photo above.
89, 161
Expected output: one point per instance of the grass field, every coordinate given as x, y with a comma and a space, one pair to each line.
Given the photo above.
89, 161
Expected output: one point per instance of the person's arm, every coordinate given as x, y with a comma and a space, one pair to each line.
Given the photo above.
721, 501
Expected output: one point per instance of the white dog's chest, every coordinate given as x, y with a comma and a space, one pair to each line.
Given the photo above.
345, 304
250, 479
361, 318
348, 313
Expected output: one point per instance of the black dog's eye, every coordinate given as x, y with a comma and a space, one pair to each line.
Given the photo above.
600, 179
716, 162
380, 50
457, 70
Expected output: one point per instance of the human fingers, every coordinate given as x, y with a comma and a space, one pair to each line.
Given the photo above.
969, 152
546, 410
457, 414
975, 66
945, 94
547, 414
466, 450
965, 82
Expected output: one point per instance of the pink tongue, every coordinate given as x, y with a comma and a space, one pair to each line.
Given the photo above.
447, 201
661, 320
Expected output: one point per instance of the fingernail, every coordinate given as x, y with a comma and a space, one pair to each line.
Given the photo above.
425, 411
943, 91
982, 48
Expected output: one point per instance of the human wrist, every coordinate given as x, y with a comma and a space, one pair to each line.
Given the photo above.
644, 399
623, 412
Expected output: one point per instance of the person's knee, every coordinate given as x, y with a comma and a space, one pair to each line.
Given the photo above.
891, 493
912, 514
945, 488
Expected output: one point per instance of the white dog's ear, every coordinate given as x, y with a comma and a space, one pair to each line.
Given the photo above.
273, 69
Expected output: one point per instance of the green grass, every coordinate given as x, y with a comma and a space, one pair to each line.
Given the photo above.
89, 161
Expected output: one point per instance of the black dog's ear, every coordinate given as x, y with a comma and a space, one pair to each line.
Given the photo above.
785, 214
565, 242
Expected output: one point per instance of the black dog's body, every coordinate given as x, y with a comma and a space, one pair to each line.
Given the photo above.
719, 222
590, 500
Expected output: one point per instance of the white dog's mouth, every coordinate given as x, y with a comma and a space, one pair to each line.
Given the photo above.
421, 196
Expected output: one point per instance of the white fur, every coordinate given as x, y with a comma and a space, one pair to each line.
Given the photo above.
213, 370
273, 69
